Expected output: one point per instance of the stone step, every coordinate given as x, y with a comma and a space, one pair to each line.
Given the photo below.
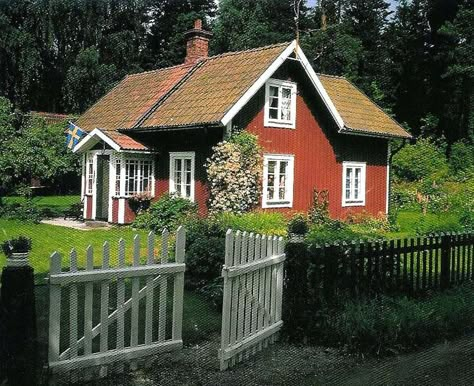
96, 224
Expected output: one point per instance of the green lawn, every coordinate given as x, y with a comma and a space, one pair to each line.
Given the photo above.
49, 238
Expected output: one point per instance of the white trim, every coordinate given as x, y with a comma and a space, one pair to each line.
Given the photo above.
90, 137
111, 185
288, 203
271, 70
351, 164
387, 198
268, 122
182, 155
121, 211
319, 87
94, 185
232, 112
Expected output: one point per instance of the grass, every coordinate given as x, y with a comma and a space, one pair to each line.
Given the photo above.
54, 204
49, 238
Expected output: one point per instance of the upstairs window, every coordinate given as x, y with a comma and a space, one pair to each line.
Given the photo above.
353, 184
182, 174
280, 103
278, 181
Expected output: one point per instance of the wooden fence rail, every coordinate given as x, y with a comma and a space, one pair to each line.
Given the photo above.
409, 266
86, 334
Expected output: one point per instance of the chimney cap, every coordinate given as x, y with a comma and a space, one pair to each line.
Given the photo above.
197, 31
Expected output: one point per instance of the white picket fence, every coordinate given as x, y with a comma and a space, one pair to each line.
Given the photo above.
120, 336
253, 289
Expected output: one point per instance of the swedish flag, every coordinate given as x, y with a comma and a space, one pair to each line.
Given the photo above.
74, 135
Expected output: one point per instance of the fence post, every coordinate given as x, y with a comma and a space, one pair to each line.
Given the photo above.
18, 327
445, 260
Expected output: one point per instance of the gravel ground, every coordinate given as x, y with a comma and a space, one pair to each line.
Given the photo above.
450, 363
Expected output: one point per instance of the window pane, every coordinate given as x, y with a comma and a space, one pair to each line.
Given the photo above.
271, 167
273, 91
286, 104
348, 183
273, 113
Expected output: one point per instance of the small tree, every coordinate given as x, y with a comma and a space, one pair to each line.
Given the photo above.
235, 172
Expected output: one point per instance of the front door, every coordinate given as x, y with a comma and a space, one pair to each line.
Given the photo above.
102, 198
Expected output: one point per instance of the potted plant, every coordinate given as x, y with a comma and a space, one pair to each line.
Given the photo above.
16, 250
297, 228
139, 202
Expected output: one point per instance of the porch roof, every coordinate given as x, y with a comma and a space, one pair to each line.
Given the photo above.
116, 140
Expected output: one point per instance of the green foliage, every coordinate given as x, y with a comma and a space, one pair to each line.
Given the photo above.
467, 215
461, 158
205, 251
437, 224
87, 80
25, 211
234, 172
319, 211
168, 212
391, 325
419, 161
298, 225
332, 232
268, 223
19, 244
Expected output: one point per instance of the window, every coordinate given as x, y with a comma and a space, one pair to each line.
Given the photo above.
182, 174
280, 103
89, 174
138, 176
118, 171
278, 181
353, 184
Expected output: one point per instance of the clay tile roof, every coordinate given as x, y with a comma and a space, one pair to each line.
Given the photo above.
127, 102
358, 112
51, 118
124, 141
213, 88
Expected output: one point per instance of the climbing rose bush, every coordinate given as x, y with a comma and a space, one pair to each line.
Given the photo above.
235, 172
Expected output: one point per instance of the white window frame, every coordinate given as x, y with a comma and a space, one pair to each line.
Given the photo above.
288, 201
123, 158
90, 175
271, 122
354, 165
183, 155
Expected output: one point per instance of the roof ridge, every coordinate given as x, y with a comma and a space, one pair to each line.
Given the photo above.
331, 76
224, 54
160, 69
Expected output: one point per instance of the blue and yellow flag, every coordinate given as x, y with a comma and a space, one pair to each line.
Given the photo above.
74, 135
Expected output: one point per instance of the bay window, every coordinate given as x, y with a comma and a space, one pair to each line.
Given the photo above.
133, 175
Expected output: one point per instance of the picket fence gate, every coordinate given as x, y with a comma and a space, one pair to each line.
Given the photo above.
68, 353
252, 298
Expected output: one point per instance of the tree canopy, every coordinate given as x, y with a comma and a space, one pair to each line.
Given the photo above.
415, 59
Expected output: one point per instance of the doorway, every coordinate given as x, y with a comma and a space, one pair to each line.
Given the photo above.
102, 197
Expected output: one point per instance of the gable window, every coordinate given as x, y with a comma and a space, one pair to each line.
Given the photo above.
353, 183
280, 103
182, 174
278, 181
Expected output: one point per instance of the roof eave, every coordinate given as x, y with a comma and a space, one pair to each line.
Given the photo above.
152, 129
365, 133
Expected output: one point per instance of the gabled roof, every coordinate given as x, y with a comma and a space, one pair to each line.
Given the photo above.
131, 99
214, 90
214, 87
113, 138
359, 113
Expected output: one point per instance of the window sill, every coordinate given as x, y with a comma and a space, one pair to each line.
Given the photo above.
269, 205
279, 125
348, 204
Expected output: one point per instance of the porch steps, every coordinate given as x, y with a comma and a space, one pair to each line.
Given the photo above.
96, 224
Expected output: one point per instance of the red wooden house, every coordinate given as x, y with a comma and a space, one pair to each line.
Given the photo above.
153, 132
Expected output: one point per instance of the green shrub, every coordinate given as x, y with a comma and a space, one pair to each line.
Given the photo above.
20, 244
24, 211
267, 223
333, 231
418, 161
168, 212
298, 225
437, 224
461, 158
387, 325
467, 215
404, 196
205, 250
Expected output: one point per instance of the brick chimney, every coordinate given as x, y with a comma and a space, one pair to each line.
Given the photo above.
197, 43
